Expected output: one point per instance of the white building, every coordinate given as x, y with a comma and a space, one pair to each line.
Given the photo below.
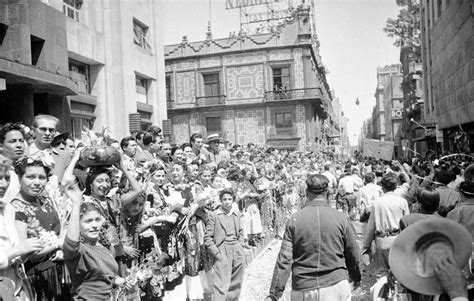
115, 52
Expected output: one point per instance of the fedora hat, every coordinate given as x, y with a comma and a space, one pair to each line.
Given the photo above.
213, 137
413, 253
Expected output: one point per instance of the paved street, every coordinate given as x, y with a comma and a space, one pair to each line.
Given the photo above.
259, 274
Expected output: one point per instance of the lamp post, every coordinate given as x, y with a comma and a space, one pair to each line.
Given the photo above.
417, 123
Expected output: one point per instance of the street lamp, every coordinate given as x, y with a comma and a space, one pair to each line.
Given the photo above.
415, 122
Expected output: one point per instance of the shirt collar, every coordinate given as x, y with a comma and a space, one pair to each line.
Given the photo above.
219, 211
314, 203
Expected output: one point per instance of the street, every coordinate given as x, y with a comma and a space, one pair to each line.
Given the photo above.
258, 275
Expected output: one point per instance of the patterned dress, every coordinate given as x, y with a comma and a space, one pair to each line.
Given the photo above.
266, 206
109, 233
42, 222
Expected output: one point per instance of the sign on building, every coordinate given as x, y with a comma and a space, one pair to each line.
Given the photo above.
377, 149
439, 135
397, 114
231, 4
265, 16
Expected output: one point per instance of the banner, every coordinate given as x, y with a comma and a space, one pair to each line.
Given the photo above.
377, 149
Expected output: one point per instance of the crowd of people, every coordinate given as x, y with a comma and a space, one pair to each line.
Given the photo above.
426, 196
101, 218
130, 219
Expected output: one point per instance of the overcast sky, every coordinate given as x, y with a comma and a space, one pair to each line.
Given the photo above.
350, 32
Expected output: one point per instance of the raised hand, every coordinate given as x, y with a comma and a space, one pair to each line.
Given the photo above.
73, 192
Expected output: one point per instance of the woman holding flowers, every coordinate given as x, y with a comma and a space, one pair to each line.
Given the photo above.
191, 233
160, 218
37, 217
11, 248
98, 185
94, 272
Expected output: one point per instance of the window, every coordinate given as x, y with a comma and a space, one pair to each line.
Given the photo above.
283, 121
78, 123
211, 84
145, 120
169, 92
36, 48
3, 32
79, 74
140, 31
71, 8
141, 84
281, 79
213, 125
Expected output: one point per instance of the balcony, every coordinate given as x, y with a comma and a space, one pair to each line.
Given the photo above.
295, 94
200, 101
208, 101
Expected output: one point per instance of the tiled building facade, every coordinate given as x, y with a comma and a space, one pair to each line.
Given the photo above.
269, 89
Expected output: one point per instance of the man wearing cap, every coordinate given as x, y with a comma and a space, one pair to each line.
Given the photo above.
212, 153
384, 224
319, 249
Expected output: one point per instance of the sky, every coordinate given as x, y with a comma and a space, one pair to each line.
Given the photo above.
350, 32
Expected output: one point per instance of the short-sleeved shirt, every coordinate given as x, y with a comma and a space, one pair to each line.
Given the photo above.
92, 269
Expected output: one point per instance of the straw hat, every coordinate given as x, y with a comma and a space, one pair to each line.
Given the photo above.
413, 253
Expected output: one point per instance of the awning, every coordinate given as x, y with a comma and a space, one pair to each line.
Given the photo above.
42, 81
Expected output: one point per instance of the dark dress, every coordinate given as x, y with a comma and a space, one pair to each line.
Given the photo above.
43, 222
92, 268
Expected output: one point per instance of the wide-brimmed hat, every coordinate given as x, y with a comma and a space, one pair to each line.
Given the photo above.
60, 138
413, 254
213, 137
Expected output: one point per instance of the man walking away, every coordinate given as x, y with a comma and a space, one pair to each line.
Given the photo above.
319, 249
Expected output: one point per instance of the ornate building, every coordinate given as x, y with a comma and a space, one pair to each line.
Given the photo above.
269, 88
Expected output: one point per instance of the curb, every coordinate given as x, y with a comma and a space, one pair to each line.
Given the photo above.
257, 251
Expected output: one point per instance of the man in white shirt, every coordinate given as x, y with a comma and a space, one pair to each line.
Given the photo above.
368, 194
384, 224
130, 148
348, 185
332, 182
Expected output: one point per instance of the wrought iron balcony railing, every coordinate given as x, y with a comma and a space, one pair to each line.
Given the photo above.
201, 101
283, 95
206, 101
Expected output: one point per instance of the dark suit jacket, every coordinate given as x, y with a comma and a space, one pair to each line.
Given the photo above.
216, 233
